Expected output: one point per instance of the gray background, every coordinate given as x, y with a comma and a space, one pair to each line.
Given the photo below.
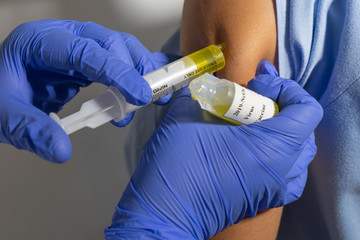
75, 200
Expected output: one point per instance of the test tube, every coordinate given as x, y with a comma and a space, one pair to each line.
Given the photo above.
169, 78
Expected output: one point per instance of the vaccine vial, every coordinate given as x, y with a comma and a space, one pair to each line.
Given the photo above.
230, 101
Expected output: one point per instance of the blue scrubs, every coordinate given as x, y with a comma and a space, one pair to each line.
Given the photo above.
319, 47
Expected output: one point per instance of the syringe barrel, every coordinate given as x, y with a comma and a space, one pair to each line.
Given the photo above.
162, 81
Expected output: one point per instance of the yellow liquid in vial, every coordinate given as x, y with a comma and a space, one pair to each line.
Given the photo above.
222, 103
221, 110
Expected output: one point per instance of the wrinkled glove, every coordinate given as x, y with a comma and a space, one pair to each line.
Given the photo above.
42, 66
196, 178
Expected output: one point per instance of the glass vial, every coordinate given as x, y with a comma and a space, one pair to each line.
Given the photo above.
231, 101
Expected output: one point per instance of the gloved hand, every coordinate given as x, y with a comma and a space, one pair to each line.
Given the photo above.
196, 178
42, 66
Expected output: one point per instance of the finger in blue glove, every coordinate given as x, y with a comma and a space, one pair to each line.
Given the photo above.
44, 63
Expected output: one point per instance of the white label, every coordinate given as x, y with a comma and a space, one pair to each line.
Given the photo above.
249, 107
171, 77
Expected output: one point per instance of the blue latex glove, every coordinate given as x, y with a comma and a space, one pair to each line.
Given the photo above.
42, 66
196, 178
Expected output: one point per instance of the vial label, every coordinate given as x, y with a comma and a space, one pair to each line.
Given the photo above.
249, 107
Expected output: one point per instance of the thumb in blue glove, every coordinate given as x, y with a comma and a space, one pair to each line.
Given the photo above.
44, 63
198, 177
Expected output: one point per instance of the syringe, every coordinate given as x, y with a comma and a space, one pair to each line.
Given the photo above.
113, 106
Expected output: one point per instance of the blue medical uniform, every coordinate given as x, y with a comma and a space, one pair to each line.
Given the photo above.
319, 47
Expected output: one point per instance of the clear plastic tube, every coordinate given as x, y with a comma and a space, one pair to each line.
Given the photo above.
231, 101
113, 106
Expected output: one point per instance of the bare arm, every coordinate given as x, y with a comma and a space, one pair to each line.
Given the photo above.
248, 28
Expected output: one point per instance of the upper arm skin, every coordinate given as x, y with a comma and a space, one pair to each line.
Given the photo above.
248, 29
